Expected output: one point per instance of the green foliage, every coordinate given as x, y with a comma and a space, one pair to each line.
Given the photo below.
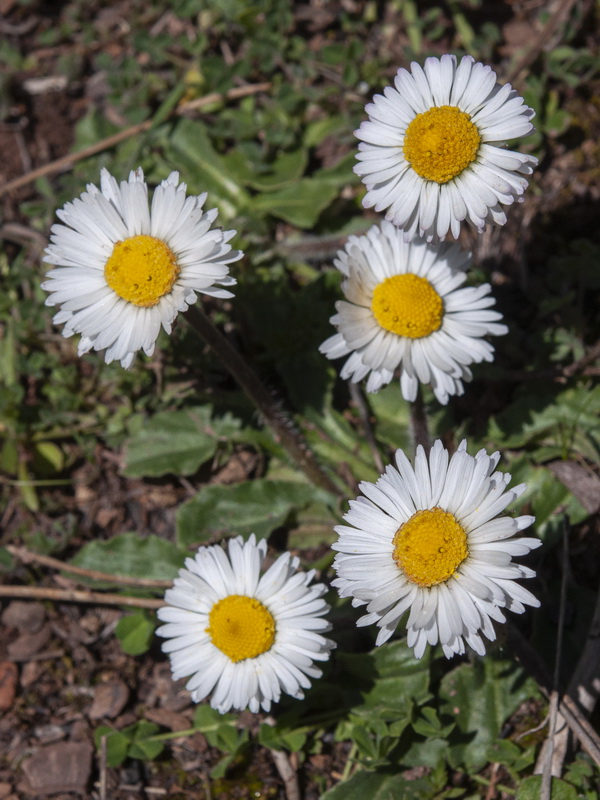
278, 165
221, 731
176, 442
130, 555
135, 632
480, 697
257, 506
134, 741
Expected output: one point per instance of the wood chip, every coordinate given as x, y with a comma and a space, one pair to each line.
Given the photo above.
109, 700
26, 617
27, 644
9, 674
582, 482
61, 767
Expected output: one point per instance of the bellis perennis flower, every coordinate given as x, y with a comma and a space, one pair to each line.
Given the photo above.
431, 540
125, 269
242, 636
406, 308
431, 154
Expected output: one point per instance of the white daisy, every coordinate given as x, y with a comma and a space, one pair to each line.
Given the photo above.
431, 151
405, 309
429, 539
244, 637
126, 269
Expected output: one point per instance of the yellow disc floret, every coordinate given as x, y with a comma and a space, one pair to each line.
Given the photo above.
440, 143
241, 627
408, 306
430, 547
141, 270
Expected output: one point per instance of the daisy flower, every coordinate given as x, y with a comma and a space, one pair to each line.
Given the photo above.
431, 151
125, 269
244, 637
431, 540
405, 309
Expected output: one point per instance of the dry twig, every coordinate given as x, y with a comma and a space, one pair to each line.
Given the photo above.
558, 18
66, 162
27, 557
79, 596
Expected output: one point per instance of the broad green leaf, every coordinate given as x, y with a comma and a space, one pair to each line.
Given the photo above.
322, 128
380, 786
480, 697
117, 744
7, 560
142, 745
129, 554
190, 149
530, 789
300, 204
48, 458
176, 442
257, 506
392, 414
548, 498
134, 632
270, 736
390, 680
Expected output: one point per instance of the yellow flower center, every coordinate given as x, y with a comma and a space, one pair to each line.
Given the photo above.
408, 306
241, 627
141, 270
430, 547
440, 143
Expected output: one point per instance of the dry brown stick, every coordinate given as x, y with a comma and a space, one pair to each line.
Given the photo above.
116, 138
287, 773
547, 758
540, 42
79, 596
358, 398
27, 557
568, 708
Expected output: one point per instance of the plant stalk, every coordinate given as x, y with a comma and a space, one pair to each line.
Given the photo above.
418, 422
269, 408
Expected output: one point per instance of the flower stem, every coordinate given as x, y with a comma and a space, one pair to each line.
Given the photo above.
269, 408
418, 422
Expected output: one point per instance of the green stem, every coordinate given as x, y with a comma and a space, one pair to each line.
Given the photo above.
269, 408
418, 422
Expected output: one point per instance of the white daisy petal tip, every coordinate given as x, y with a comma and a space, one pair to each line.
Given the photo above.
449, 563
431, 153
123, 267
406, 309
242, 634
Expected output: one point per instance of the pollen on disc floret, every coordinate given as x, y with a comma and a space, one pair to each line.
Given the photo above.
242, 634
431, 540
124, 267
432, 152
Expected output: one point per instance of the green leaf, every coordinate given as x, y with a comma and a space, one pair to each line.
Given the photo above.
130, 555
276, 739
257, 506
530, 789
300, 204
322, 128
380, 786
7, 561
141, 745
48, 458
190, 149
176, 442
134, 632
117, 744
480, 697
395, 680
